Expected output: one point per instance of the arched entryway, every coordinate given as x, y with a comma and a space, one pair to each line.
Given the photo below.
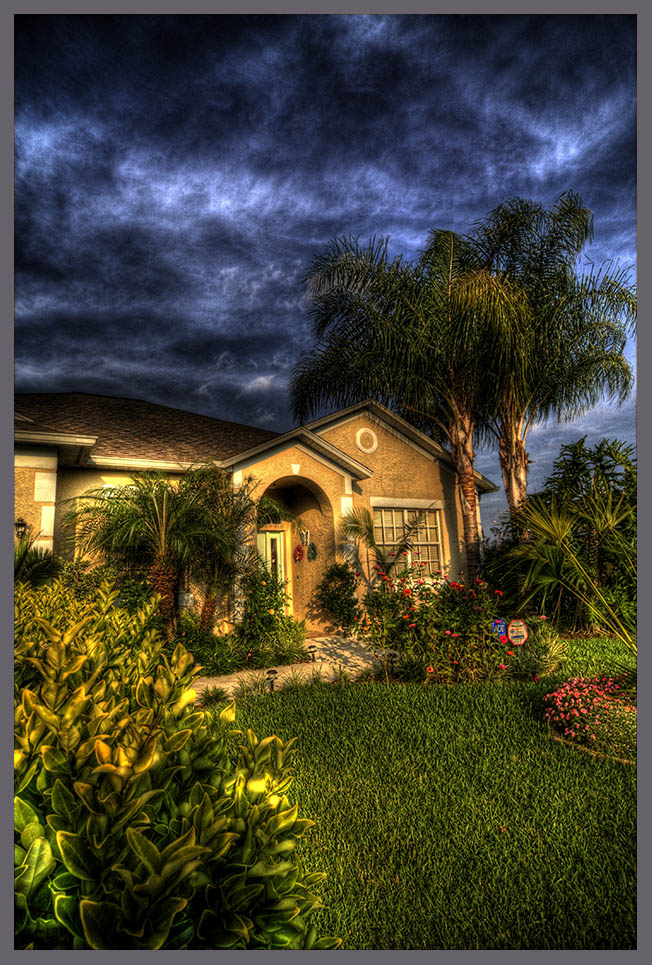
278, 543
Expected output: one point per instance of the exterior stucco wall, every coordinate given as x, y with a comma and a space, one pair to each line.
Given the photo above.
36, 491
404, 471
75, 482
313, 491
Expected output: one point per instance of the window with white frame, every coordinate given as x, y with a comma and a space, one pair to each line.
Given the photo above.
389, 527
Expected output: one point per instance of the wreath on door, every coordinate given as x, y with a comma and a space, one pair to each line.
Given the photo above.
312, 551
298, 553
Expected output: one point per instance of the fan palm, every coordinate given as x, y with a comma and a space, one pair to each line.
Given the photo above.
572, 353
422, 338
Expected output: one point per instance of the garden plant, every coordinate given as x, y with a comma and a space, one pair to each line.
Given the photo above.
140, 822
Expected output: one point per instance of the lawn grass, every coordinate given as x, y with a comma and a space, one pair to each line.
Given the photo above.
446, 817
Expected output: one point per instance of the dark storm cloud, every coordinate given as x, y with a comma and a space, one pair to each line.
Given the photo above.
175, 175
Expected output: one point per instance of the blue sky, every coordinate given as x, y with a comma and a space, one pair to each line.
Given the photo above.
176, 175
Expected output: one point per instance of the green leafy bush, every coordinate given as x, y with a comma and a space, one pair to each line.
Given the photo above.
265, 624
84, 580
337, 597
139, 822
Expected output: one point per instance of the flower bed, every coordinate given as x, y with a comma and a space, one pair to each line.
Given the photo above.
440, 630
595, 713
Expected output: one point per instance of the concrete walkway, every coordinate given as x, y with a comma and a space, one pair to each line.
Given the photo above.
334, 656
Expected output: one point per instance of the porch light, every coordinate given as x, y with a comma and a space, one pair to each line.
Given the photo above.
271, 674
312, 650
21, 528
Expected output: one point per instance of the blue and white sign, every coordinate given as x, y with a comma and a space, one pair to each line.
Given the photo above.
499, 627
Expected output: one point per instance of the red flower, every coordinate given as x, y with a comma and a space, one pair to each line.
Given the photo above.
412, 624
503, 638
543, 618
498, 592
430, 669
511, 653
503, 666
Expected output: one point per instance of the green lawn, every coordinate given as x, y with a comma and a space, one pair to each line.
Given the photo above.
448, 819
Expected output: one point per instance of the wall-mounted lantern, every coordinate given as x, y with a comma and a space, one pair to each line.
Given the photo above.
21, 528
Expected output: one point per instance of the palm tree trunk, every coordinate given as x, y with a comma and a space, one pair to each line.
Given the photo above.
208, 611
514, 463
461, 435
164, 578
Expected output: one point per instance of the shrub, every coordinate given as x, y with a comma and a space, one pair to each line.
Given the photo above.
139, 822
441, 630
596, 712
265, 624
33, 565
337, 597
542, 653
83, 581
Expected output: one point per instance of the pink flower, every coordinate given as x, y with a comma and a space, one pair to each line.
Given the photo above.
535, 677
503, 638
454, 634
448, 633
430, 669
412, 624
503, 666
542, 617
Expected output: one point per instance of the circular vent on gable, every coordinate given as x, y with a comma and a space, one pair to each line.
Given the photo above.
366, 440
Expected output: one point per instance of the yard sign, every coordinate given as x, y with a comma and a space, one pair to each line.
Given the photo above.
517, 632
499, 626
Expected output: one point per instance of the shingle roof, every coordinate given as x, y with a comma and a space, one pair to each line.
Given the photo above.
138, 429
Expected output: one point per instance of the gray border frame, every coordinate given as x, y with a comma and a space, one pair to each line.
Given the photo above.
644, 390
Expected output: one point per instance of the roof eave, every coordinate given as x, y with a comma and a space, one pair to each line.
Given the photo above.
302, 434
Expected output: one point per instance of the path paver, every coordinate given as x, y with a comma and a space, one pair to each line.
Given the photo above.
333, 656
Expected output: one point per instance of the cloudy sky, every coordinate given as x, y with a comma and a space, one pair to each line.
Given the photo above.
175, 176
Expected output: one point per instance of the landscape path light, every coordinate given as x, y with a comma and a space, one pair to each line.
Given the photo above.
312, 650
271, 675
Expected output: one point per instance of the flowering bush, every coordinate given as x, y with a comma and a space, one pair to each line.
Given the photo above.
596, 712
438, 627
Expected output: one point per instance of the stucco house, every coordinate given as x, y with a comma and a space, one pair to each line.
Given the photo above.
363, 455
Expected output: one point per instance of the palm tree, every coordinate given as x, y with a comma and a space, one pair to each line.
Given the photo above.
571, 354
150, 521
225, 552
356, 533
422, 338
556, 562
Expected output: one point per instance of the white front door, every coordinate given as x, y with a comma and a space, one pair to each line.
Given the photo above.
270, 547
